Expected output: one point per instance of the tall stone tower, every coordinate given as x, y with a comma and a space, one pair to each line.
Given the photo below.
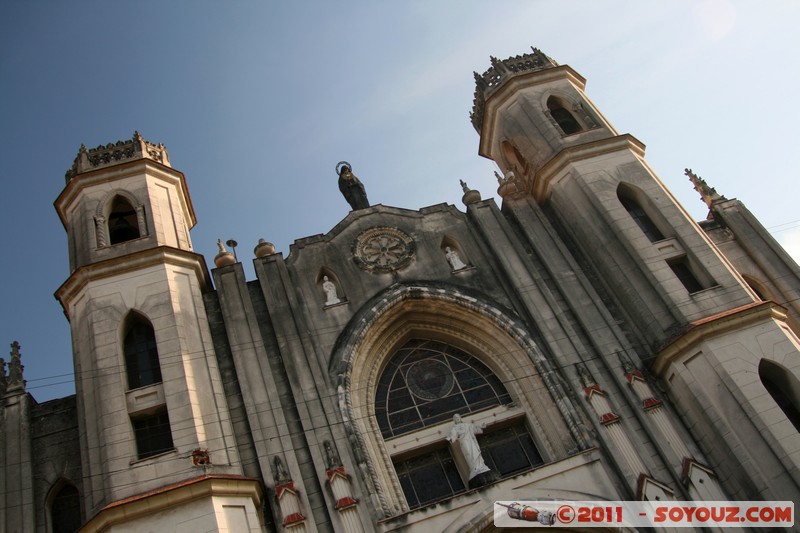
152, 411
728, 360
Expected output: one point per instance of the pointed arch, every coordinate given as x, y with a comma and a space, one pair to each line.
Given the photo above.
63, 506
467, 323
634, 202
515, 161
758, 287
563, 117
140, 351
119, 218
784, 387
123, 224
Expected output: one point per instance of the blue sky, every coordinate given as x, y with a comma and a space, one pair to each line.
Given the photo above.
257, 102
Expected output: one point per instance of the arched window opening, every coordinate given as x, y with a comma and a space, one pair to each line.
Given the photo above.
141, 353
639, 215
153, 433
757, 288
784, 388
123, 224
65, 510
565, 120
427, 382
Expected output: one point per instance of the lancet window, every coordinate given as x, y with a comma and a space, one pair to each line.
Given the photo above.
141, 353
424, 385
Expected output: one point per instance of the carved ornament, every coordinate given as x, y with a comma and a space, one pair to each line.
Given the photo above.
383, 249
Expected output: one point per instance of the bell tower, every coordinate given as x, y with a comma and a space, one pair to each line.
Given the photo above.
557, 150
149, 391
729, 361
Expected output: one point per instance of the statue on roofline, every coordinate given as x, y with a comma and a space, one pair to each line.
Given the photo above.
351, 187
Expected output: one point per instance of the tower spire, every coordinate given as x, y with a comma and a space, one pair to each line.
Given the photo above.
708, 194
15, 382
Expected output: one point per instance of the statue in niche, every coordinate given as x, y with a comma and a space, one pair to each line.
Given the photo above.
464, 434
329, 287
454, 259
351, 187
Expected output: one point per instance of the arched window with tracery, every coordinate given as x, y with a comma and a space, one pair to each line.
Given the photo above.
64, 508
565, 120
141, 353
123, 223
424, 384
427, 382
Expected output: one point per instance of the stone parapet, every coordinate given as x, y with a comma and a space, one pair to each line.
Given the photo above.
114, 153
502, 70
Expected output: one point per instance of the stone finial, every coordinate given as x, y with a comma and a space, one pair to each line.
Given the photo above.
3, 382
509, 185
264, 248
708, 194
15, 368
351, 187
471, 196
224, 257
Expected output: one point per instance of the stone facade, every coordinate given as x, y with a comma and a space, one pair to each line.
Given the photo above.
600, 344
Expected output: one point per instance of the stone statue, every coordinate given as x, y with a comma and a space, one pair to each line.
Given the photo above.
454, 259
351, 187
330, 291
464, 434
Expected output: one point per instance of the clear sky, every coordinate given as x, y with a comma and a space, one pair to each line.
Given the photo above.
257, 101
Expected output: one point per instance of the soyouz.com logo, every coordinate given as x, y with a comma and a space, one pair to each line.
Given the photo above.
643, 514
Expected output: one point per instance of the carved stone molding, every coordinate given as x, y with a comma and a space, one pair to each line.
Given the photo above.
383, 249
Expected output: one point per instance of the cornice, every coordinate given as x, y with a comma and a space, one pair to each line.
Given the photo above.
171, 496
554, 167
714, 326
128, 263
121, 171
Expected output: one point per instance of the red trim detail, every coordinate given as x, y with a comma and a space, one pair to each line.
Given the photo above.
338, 471
636, 374
344, 503
280, 489
650, 403
174, 486
293, 518
594, 387
608, 418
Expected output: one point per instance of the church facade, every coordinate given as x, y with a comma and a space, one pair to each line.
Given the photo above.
585, 340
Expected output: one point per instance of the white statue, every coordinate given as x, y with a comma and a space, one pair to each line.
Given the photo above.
330, 291
454, 259
464, 433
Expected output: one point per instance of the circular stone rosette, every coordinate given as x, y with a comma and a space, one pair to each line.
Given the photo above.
383, 250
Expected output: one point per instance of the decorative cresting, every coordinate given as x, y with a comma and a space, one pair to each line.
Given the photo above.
113, 153
376, 331
500, 72
383, 249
